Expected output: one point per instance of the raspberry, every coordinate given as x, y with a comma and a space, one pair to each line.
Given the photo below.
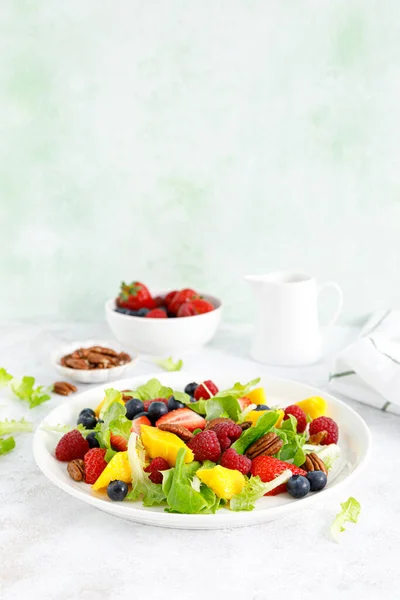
325, 424
227, 433
205, 390
300, 415
232, 460
147, 403
267, 468
94, 464
72, 445
157, 464
156, 313
205, 446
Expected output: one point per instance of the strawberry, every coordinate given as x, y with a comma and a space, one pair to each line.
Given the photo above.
299, 414
160, 301
183, 416
156, 313
94, 464
186, 310
244, 402
136, 423
147, 403
201, 306
205, 390
325, 424
180, 298
267, 468
118, 443
169, 297
135, 296
71, 446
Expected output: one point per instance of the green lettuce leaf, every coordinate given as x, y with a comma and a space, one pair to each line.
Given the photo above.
181, 495
114, 422
5, 377
293, 442
58, 428
264, 424
15, 426
329, 454
350, 512
24, 389
151, 493
226, 406
6, 445
238, 390
154, 389
169, 365
256, 489
111, 396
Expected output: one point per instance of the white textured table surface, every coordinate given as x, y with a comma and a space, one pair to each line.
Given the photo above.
53, 547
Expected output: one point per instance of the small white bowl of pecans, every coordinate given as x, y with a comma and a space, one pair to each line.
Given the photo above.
92, 361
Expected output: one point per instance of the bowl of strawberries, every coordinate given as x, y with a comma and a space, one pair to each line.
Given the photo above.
164, 323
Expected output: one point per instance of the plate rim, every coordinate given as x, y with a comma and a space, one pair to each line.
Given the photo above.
220, 520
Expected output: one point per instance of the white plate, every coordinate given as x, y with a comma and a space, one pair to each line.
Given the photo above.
91, 375
354, 442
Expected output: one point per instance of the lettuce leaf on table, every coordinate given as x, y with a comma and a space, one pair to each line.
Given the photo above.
350, 512
169, 365
6, 445
15, 426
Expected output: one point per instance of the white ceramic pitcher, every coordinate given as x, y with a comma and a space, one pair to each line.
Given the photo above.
288, 330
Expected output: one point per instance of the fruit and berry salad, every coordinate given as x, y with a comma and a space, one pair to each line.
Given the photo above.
135, 299
197, 450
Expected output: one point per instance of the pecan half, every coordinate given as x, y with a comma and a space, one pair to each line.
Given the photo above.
267, 445
76, 469
64, 388
77, 363
123, 358
245, 425
102, 350
318, 438
314, 463
213, 422
98, 359
179, 430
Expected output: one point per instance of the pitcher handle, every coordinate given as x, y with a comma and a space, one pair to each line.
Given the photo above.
335, 286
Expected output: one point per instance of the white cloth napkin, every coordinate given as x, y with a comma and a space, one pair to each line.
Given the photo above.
369, 369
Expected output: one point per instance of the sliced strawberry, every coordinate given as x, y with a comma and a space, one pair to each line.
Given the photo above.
202, 306
136, 424
183, 416
147, 403
186, 310
118, 443
180, 298
244, 402
205, 390
156, 313
169, 297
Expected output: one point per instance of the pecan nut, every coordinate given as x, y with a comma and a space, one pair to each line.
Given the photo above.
99, 359
182, 432
77, 363
63, 388
76, 469
314, 463
245, 425
213, 422
123, 358
267, 445
102, 350
318, 438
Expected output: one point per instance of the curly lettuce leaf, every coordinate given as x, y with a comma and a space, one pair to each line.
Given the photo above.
264, 424
111, 396
350, 512
181, 496
114, 422
58, 428
15, 426
24, 390
293, 442
256, 489
151, 493
239, 390
6, 445
169, 365
5, 377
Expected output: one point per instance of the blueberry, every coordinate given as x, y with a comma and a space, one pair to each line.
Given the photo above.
123, 311
262, 407
133, 407
141, 414
190, 388
174, 404
142, 312
87, 412
170, 315
298, 486
92, 440
88, 421
317, 480
157, 410
117, 490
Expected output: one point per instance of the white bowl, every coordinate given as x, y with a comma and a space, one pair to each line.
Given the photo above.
93, 375
164, 336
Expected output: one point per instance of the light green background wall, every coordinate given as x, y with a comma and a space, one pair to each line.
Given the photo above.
189, 142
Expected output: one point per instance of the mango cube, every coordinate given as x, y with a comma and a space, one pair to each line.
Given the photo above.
225, 483
257, 396
315, 406
164, 444
117, 468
